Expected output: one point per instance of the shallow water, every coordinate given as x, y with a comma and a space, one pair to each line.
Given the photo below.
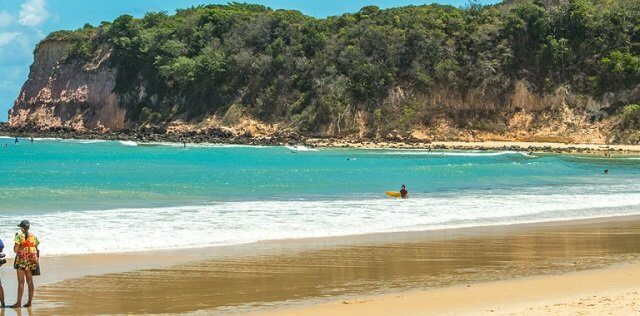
97, 196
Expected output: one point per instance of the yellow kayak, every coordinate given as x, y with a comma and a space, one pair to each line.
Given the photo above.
394, 194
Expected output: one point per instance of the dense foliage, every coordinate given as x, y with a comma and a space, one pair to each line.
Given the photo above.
283, 66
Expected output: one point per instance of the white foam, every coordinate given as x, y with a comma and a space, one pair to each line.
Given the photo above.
200, 145
75, 141
166, 144
48, 139
227, 223
128, 143
298, 148
88, 141
57, 139
422, 152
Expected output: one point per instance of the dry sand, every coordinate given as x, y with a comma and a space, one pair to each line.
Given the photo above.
611, 291
485, 145
501, 264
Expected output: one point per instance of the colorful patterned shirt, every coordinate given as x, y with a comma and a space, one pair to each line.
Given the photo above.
27, 255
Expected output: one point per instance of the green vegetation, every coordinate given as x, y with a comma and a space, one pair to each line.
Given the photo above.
630, 117
283, 66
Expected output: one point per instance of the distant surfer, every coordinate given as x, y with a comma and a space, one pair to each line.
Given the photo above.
403, 192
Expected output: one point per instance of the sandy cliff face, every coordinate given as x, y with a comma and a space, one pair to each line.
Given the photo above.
64, 92
520, 114
61, 92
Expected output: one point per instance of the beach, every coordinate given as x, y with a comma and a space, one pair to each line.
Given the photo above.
610, 291
151, 228
526, 146
540, 145
553, 267
320, 158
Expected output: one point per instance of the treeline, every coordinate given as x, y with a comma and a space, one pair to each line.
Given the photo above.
283, 66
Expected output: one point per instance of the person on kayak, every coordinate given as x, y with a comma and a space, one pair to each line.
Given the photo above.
403, 192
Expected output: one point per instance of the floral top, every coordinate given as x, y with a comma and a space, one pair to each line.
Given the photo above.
27, 256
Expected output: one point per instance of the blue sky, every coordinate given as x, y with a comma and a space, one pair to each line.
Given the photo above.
25, 22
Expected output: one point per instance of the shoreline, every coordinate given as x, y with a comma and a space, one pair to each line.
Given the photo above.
519, 146
225, 272
146, 137
266, 246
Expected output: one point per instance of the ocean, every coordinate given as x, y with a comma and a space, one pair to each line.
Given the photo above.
86, 196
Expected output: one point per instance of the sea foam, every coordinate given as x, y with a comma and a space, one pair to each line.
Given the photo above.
229, 223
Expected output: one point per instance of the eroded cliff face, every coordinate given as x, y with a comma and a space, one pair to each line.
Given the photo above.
519, 115
523, 115
63, 92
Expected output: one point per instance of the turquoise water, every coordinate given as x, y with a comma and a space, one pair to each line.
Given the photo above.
234, 194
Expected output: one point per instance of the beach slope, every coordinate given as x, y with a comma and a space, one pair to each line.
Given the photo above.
610, 291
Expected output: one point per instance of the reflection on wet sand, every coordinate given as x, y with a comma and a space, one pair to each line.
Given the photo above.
390, 262
16, 311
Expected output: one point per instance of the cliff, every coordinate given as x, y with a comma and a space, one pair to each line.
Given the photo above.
516, 71
63, 92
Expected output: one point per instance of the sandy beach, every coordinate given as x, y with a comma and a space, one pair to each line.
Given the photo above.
533, 146
611, 291
529, 268
269, 158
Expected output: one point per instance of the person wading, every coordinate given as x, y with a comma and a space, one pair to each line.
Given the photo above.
403, 192
26, 262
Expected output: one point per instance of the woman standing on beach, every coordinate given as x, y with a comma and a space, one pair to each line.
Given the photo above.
26, 249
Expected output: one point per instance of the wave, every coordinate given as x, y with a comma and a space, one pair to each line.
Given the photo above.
603, 158
422, 152
301, 148
129, 143
88, 141
79, 141
220, 145
57, 139
200, 145
135, 144
237, 222
48, 139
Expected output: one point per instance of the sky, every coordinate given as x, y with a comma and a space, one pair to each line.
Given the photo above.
23, 23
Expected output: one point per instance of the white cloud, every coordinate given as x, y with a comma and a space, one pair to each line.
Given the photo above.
33, 13
5, 18
7, 37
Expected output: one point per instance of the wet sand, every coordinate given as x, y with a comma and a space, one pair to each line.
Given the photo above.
304, 273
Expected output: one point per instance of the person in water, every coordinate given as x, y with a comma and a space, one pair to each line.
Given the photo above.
16, 141
26, 262
403, 192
